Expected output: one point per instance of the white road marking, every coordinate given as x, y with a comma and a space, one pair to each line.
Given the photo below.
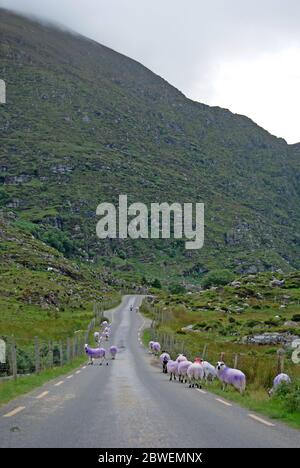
201, 391
84, 367
41, 395
224, 402
59, 383
77, 372
13, 412
70, 376
263, 421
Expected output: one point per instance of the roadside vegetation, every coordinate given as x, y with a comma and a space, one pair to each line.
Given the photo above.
227, 322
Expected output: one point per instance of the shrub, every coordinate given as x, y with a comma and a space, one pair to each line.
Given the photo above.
177, 289
217, 278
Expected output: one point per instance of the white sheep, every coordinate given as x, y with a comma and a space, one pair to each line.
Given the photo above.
195, 373
210, 372
279, 379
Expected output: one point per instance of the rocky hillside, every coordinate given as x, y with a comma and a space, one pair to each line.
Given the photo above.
83, 124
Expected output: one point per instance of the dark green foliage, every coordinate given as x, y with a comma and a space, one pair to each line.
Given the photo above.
217, 278
156, 284
177, 289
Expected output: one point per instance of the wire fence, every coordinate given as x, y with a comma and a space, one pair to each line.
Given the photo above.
19, 357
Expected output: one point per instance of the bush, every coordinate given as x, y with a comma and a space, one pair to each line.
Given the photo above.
156, 284
177, 289
289, 395
296, 318
217, 278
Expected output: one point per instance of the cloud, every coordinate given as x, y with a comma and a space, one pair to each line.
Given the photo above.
197, 45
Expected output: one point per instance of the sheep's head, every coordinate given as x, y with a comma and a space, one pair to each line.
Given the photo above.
220, 365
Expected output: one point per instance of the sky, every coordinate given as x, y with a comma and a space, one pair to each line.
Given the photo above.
243, 55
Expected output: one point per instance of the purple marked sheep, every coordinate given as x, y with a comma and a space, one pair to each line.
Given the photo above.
113, 351
150, 344
279, 379
164, 359
195, 373
156, 348
181, 358
172, 369
95, 353
230, 376
182, 370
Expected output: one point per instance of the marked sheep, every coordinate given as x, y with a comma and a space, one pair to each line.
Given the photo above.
195, 373
172, 369
150, 344
113, 351
210, 372
156, 348
230, 376
182, 370
95, 353
279, 379
164, 359
181, 358
97, 337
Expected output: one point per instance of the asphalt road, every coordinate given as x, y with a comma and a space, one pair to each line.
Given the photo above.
131, 403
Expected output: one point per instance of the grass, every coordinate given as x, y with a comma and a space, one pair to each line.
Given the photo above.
12, 389
258, 400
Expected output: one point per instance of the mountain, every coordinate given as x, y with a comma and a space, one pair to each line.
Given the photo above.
83, 124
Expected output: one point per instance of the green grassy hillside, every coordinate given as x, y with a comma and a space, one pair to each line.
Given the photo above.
83, 124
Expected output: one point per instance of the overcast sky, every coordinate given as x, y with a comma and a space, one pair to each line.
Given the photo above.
240, 54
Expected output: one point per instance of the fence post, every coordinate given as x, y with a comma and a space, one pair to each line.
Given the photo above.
68, 350
222, 356
14, 358
50, 351
61, 355
37, 355
236, 359
204, 352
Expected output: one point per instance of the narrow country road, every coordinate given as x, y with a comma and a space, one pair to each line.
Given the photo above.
130, 403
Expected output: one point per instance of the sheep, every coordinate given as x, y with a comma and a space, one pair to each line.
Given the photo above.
113, 351
195, 373
181, 358
150, 344
230, 376
279, 379
209, 371
164, 359
182, 370
172, 369
97, 337
95, 353
156, 348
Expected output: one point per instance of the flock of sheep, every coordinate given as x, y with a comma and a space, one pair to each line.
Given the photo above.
186, 371
100, 352
195, 372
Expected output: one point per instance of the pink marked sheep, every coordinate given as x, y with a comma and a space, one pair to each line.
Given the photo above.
195, 373
233, 377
